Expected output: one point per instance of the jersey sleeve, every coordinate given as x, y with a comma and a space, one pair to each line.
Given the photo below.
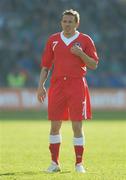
91, 49
47, 56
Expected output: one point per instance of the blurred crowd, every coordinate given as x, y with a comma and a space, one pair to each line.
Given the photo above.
26, 24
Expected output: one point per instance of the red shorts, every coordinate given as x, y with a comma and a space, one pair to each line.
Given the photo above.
68, 98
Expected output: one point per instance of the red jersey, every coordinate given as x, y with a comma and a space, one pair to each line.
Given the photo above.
57, 52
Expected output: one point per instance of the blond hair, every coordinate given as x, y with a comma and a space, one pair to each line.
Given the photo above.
72, 13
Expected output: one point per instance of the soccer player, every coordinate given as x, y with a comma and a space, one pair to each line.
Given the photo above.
70, 52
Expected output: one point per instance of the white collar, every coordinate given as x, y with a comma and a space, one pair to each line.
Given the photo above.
67, 41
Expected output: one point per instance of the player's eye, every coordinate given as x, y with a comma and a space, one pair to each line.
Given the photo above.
69, 22
64, 21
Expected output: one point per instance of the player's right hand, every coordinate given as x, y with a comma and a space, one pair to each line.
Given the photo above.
41, 94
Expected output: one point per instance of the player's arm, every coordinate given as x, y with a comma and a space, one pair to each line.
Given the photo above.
46, 64
41, 93
89, 61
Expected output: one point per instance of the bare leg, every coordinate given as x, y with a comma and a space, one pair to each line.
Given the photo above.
77, 128
55, 127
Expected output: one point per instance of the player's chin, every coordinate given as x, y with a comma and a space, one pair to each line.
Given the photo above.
67, 30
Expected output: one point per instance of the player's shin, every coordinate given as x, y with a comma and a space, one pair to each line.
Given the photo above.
54, 147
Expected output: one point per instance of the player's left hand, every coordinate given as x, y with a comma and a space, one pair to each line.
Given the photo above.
76, 50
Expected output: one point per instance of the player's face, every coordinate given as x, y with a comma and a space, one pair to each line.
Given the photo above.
69, 25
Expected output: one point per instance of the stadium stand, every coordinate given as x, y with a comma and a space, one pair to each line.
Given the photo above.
26, 25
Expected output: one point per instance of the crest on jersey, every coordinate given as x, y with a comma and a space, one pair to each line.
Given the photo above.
77, 44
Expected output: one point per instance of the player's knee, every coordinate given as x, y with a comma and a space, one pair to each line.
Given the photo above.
54, 130
55, 127
77, 131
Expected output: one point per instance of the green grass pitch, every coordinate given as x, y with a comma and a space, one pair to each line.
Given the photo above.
24, 153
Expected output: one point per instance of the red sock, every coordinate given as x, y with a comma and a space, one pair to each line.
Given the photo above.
79, 153
54, 150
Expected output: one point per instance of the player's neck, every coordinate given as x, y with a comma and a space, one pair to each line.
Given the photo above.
69, 35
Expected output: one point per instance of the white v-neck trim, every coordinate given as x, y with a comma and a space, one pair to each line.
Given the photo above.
67, 41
